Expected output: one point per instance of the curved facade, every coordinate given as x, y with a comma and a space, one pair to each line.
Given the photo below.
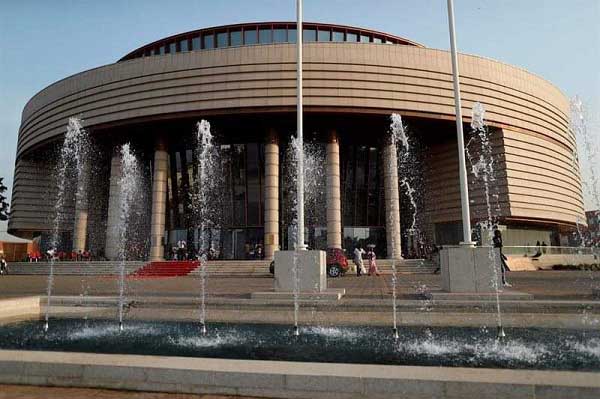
350, 88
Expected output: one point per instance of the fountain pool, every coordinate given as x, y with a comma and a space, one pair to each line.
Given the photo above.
526, 348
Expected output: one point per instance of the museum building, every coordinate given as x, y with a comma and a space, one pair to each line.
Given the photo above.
242, 79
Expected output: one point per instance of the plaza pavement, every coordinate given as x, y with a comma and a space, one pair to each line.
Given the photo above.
559, 285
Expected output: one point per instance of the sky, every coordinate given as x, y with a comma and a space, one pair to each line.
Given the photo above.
44, 41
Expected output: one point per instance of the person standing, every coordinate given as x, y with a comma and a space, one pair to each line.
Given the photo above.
358, 253
372, 262
497, 240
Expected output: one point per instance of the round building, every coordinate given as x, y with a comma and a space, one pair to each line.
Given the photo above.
242, 79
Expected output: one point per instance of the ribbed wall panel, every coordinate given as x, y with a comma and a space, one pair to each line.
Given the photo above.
339, 77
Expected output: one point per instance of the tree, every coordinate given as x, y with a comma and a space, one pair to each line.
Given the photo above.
3, 203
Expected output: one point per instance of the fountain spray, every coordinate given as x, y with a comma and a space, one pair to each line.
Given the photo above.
206, 185
129, 189
71, 165
483, 168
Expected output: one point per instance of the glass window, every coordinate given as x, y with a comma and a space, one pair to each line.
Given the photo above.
172, 48
351, 37
161, 50
236, 38
292, 35
364, 39
152, 52
338, 36
324, 36
196, 43
222, 39
376, 40
209, 41
309, 35
250, 37
279, 36
264, 35
183, 45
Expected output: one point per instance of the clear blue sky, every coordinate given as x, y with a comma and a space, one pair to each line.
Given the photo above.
44, 41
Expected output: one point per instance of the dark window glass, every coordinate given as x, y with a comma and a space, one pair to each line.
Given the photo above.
250, 37
279, 36
364, 39
376, 40
161, 50
238, 171
152, 52
309, 35
292, 35
253, 173
236, 38
351, 37
209, 41
264, 35
183, 45
338, 36
172, 48
222, 39
196, 43
324, 36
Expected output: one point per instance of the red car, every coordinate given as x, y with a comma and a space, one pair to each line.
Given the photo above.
337, 263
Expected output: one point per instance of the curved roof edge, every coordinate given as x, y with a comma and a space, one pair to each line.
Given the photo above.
138, 52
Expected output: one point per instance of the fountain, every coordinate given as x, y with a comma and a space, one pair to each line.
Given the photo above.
129, 190
483, 170
70, 167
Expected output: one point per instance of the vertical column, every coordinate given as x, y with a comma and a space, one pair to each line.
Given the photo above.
159, 201
334, 203
271, 194
392, 201
111, 250
81, 210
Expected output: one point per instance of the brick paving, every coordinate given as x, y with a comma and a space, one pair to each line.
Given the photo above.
543, 285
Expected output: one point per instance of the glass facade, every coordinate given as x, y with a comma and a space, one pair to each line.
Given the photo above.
338, 36
324, 36
183, 45
222, 39
236, 38
208, 41
279, 35
309, 35
240, 199
265, 34
250, 37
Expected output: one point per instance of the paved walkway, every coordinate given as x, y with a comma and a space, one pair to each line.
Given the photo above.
542, 285
33, 392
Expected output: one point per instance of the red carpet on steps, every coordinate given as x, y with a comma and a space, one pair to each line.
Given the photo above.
166, 269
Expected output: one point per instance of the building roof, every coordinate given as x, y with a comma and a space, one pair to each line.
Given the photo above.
262, 33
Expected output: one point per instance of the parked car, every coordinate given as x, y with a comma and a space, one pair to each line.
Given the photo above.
337, 263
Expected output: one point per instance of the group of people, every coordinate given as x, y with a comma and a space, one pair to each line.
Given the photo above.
54, 254
371, 257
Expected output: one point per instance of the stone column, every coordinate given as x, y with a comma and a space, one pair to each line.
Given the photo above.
159, 201
392, 201
111, 250
80, 226
271, 194
334, 203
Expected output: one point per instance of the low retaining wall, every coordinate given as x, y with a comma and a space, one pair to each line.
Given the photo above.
547, 262
287, 379
20, 307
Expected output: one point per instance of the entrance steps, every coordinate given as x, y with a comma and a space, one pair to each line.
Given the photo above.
78, 268
219, 268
